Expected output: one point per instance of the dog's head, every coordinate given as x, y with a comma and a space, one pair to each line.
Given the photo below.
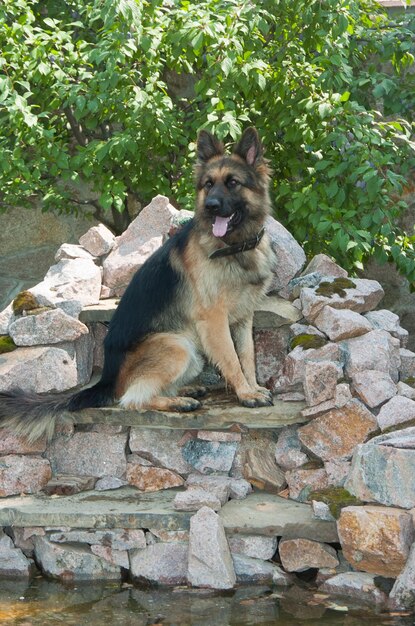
232, 190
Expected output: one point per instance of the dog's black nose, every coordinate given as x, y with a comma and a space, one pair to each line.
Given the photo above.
213, 204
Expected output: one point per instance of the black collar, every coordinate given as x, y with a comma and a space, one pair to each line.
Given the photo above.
235, 248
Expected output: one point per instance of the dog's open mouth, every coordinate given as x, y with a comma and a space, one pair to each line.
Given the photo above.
223, 225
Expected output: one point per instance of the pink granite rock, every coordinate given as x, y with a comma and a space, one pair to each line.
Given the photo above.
325, 266
70, 279
10, 443
152, 478
161, 563
71, 251
356, 586
143, 236
386, 320
89, 454
288, 449
340, 324
13, 563
365, 296
374, 387
289, 255
50, 327
376, 539
298, 555
271, 347
41, 369
162, 447
375, 350
336, 433
307, 480
194, 498
407, 366
98, 240
23, 474
254, 546
320, 381
397, 411
210, 562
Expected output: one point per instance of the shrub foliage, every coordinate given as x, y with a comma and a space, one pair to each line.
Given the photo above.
109, 95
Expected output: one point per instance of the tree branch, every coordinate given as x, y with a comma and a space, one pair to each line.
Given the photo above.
76, 128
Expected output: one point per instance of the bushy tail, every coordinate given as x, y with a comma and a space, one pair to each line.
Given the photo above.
32, 415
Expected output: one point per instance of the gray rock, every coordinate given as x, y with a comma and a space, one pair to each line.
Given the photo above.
162, 563
271, 515
23, 474
118, 558
386, 320
293, 368
305, 329
6, 317
254, 546
251, 570
13, 563
209, 456
402, 595
288, 449
89, 454
397, 411
293, 289
339, 324
355, 585
115, 538
194, 499
405, 390
72, 563
109, 482
239, 488
375, 350
321, 511
383, 469
98, 240
50, 327
161, 446
407, 366
219, 486
289, 255
374, 387
210, 562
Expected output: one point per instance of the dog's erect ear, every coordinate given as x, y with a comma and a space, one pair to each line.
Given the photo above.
208, 146
249, 146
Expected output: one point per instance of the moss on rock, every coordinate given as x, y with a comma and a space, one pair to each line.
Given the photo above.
6, 344
24, 301
337, 286
307, 341
336, 498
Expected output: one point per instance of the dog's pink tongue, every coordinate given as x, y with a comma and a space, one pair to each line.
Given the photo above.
220, 226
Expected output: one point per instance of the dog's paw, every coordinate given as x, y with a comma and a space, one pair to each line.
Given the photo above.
184, 405
265, 392
255, 399
196, 391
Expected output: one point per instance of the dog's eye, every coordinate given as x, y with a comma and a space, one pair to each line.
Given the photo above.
232, 183
208, 184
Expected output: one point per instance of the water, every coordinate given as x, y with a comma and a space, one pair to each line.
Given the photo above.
46, 603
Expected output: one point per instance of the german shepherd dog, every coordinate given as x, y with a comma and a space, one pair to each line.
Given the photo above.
193, 297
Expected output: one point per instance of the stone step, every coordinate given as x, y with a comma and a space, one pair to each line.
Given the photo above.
260, 513
219, 411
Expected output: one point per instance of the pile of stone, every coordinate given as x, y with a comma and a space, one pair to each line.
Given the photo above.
330, 351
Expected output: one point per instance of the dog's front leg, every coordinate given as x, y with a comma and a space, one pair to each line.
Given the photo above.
215, 335
242, 334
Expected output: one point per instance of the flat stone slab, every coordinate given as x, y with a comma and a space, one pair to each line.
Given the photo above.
219, 410
267, 514
121, 508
